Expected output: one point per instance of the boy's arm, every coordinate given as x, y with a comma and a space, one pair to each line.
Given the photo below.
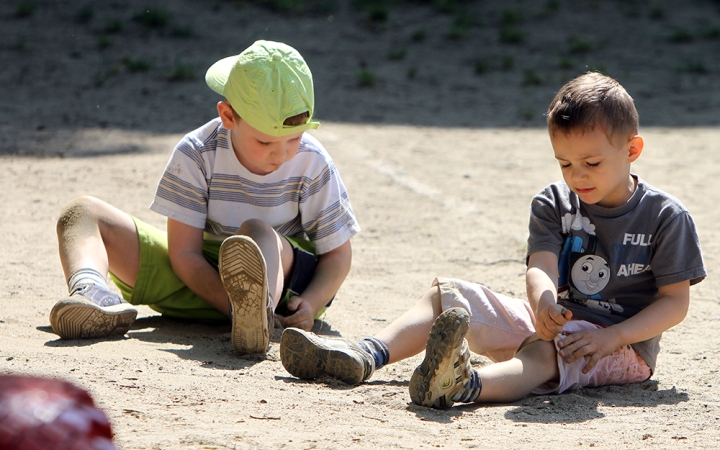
667, 311
185, 246
331, 270
541, 282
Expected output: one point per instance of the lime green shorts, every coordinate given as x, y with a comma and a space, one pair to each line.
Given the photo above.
158, 287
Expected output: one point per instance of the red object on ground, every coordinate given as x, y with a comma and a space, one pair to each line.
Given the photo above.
48, 414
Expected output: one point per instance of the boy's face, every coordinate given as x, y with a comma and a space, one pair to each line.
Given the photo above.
597, 170
261, 153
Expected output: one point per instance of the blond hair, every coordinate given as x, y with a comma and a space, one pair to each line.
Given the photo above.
591, 100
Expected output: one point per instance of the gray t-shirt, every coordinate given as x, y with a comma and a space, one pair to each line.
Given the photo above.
613, 260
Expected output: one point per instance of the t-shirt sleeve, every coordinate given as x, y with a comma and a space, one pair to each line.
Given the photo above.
182, 193
545, 226
327, 216
677, 256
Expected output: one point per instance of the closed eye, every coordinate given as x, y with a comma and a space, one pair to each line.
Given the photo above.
593, 164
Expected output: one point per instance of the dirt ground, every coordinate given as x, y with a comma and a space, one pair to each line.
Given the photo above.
440, 142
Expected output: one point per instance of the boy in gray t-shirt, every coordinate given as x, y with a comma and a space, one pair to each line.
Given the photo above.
610, 262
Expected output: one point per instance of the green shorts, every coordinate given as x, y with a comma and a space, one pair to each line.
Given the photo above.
158, 287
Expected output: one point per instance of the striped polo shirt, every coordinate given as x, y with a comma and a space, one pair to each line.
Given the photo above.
205, 186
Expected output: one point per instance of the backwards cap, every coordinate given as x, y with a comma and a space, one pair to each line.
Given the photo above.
265, 84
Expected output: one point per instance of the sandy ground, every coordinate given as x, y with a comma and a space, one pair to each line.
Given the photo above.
440, 177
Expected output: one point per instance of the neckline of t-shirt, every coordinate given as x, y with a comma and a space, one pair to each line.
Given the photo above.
624, 208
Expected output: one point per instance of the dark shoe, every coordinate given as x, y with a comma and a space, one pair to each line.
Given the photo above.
91, 311
446, 367
307, 356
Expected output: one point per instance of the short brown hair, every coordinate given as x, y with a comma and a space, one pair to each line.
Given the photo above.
291, 121
590, 100
297, 120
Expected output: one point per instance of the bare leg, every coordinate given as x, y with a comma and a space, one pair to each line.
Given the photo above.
445, 375
512, 380
252, 266
407, 335
276, 250
94, 234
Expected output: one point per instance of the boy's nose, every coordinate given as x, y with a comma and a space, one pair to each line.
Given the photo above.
280, 154
579, 173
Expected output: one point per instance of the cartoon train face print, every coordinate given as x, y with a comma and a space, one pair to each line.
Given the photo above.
590, 274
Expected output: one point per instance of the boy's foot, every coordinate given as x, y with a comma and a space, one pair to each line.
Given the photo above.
244, 275
91, 311
307, 356
446, 367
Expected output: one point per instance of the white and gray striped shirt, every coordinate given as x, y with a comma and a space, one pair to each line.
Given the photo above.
205, 186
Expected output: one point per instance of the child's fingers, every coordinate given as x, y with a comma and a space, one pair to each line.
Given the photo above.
299, 320
545, 336
558, 319
547, 332
294, 303
592, 361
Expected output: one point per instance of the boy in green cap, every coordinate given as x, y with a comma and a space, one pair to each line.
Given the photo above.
258, 220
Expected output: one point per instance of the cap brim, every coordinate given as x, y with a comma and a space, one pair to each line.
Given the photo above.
217, 75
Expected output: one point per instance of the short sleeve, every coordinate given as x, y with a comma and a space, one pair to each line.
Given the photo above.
182, 193
327, 216
545, 224
677, 255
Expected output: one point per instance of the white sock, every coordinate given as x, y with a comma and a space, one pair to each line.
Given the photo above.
85, 276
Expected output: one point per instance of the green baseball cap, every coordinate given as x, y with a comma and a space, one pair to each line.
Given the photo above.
265, 84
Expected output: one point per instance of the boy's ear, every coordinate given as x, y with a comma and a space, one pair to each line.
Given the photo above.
635, 147
226, 114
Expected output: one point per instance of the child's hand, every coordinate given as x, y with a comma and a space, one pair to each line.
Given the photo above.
301, 314
550, 321
592, 345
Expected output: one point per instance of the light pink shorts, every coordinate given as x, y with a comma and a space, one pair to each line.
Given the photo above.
499, 324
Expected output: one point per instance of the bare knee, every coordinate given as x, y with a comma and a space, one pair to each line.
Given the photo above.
433, 300
78, 211
542, 355
256, 229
